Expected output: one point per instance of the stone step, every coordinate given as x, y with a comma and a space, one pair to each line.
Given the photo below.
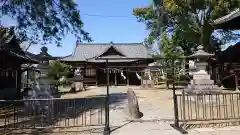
202, 87
201, 76
202, 81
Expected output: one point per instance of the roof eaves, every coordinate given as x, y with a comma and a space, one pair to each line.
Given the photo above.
234, 14
21, 56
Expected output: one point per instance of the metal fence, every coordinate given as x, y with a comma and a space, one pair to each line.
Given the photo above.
208, 108
51, 113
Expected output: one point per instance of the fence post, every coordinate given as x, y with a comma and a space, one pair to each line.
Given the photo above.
183, 107
107, 128
176, 122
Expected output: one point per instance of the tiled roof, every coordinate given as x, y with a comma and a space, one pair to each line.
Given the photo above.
232, 15
229, 18
22, 56
84, 52
111, 57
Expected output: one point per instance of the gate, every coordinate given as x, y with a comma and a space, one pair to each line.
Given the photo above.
51, 113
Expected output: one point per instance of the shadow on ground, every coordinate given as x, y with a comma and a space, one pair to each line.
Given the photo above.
60, 114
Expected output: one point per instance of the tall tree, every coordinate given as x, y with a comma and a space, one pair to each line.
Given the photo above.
44, 20
190, 19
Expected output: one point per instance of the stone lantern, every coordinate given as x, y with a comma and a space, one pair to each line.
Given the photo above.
43, 67
201, 79
41, 89
201, 58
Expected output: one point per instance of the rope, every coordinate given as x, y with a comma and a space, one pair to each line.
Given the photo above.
121, 70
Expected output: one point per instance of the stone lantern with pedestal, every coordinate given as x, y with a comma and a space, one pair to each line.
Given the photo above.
43, 79
201, 82
41, 89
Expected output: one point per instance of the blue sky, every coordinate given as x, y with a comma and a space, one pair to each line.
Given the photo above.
103, 29
113, 22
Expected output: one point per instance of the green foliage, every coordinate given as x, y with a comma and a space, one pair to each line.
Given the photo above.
169, 46
191, 20
58, 69
45, 20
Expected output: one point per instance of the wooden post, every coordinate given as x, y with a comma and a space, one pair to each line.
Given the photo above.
84, 75
115, 78
127, 77
236, 81
183, 107
97, 77
18, 83
16, 79
27, 77
84, 70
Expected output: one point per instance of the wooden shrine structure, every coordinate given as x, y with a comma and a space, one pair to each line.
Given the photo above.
11, 59
225, 67
83, 59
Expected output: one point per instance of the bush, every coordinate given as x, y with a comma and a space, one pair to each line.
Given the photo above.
57, 70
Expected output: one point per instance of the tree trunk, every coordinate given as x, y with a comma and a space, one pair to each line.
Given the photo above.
206, 33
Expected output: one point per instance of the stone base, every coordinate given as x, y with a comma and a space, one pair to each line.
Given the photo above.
78, 86
201, 81
147, 83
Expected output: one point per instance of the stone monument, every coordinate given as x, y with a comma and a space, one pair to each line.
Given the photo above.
201, 82
133, 106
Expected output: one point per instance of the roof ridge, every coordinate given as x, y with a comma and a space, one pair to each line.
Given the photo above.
134, 43
74, 51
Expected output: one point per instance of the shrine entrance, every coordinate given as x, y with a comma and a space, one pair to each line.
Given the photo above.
117, 77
